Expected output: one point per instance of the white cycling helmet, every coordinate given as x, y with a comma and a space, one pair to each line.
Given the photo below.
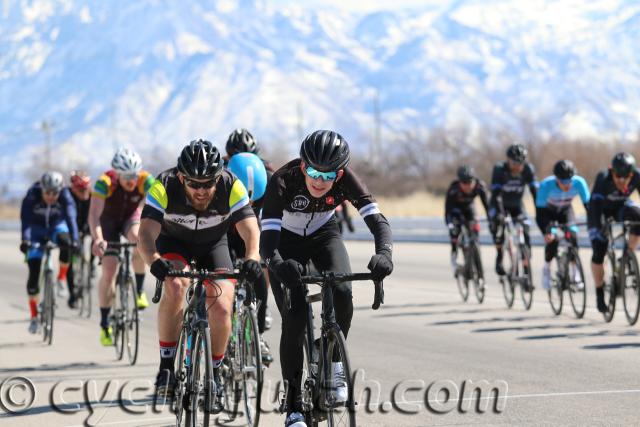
52, 181
126, 161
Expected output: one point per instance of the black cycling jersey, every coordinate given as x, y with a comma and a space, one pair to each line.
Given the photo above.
82, 209
458, 199
168, 204
606, 199
507, 189
289, 205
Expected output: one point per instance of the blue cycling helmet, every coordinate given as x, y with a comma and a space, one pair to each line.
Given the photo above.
251, 171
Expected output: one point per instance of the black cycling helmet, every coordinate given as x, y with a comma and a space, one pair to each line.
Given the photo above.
466, 173
623, 164
517, 153
200, 160
241, 141
325, 151
564, 169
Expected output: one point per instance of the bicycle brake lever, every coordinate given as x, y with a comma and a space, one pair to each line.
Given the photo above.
158, 292
378, 298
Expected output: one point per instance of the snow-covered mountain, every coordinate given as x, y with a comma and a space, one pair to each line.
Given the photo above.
156, 73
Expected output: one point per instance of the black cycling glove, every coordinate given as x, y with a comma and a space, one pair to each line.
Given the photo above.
381, 266
252, 270
290, 273
159, 268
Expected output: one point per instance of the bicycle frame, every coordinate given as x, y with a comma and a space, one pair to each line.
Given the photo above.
313, 387
195, 323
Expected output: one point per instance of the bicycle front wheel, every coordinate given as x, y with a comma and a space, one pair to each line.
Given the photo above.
119, 311
200, 387
630, 284
507, 281
131, 322
525, 276
462, 277
611, 288
577, 286
477, 273
251, 363
49, 307
340, 409
558, 277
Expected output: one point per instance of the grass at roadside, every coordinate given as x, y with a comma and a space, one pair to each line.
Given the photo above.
9, 212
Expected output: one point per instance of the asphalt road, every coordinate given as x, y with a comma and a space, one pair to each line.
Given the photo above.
548, 370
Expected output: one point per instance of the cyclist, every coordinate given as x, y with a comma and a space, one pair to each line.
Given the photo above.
242, 141
508, 182
250, 169
459, 209
553, 203
81, 193
344, 218
610, 199
47, 213
187, 214
298, 225
114, 211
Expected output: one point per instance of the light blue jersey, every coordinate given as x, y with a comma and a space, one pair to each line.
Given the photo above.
551, 196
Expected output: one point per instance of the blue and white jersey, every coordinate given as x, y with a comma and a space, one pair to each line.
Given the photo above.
552, 197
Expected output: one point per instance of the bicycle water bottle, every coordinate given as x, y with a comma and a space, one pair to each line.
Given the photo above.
242, 294
188, 353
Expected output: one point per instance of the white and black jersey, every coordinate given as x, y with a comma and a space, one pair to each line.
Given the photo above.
289, 205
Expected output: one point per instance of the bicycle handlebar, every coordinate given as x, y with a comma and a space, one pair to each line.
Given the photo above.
119, 245
199, 274
47, 244
327, 278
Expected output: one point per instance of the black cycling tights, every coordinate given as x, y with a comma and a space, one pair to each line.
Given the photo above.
64, 240
326, 250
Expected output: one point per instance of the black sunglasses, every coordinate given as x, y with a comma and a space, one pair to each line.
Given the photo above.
196, 185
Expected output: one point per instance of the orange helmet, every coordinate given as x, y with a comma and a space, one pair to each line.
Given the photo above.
80, 180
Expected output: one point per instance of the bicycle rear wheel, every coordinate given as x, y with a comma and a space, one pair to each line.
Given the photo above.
89, 281
558, 277
197, 410
477, 273
338, 414
525, 277
630, 284
577, 285
251, 363
232, 388
131, 321
611, 289
182, 371
77, 265
49, 307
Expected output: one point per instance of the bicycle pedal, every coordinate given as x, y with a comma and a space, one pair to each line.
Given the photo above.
215, 408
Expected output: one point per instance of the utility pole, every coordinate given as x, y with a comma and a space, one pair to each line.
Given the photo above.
46, 128
375, 149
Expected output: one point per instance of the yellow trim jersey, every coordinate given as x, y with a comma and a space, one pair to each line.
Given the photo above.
118, 202
167, 203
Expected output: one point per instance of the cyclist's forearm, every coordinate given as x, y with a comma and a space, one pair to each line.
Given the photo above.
147, 235
379, 227
269, 241
250, 234
95, 211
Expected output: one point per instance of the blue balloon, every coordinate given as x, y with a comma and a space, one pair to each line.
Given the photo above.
250, 169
